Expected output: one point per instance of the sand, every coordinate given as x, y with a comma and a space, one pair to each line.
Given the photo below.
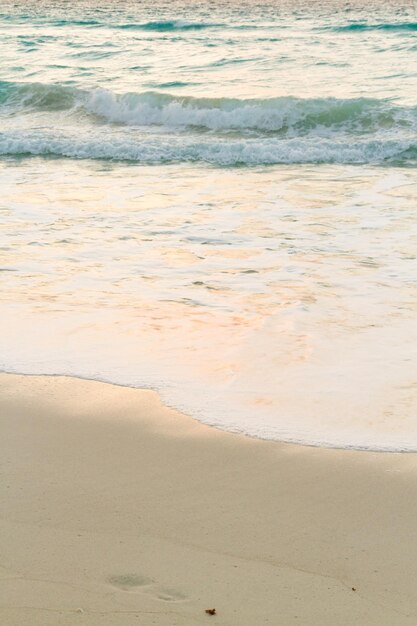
119, 511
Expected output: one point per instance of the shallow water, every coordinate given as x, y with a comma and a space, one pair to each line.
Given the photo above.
218, 202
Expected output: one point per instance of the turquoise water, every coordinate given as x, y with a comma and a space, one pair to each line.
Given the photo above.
225, 84
217, 200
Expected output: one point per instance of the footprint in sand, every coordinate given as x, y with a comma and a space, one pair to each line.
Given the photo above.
130, 582
137, 582
169, 595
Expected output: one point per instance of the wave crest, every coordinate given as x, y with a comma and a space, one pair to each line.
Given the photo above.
153, 127
363, 26
282, 115
168, 25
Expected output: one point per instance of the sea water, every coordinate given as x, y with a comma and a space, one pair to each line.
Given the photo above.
217, 200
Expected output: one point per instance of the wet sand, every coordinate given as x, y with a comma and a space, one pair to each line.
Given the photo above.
119, 511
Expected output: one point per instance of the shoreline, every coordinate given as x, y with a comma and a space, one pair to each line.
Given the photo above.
158, 391
119, 510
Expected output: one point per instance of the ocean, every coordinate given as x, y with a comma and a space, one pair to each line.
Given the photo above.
217, 200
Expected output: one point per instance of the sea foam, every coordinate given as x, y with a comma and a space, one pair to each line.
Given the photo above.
216, 151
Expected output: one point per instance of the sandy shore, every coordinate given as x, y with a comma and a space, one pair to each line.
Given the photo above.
119, 511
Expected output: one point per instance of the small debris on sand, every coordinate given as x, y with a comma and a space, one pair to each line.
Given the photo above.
211, 611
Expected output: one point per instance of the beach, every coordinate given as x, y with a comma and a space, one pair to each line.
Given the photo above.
208, 338
117, 510
217, 202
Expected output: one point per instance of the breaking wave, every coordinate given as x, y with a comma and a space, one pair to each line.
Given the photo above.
153, 127
160, 109
216, 151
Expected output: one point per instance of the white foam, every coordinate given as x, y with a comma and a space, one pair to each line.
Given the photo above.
251, 300
341, 396
124, 146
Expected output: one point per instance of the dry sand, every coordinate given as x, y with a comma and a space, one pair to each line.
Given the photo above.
119, 511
